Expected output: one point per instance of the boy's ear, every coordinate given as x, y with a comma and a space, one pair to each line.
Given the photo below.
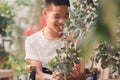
44, 12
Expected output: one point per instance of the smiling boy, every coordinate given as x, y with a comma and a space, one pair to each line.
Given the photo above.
41, 47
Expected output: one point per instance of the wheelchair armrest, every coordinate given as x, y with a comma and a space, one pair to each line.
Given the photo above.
91, 73
32, 72
92, 70
29, 68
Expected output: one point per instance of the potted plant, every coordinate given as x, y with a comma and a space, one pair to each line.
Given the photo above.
69, 54
109, 55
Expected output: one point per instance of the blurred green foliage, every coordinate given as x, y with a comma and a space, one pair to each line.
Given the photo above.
107, 27
12, 35
6, 19
96, 22
8, 60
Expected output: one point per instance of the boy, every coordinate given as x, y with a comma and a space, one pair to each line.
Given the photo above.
41, 46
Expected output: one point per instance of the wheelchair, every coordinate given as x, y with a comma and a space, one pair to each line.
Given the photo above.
91, 74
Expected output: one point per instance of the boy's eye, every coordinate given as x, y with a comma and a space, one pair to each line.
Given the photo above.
56, 17
66, 17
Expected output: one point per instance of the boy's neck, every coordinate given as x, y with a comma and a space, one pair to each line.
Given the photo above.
50, 35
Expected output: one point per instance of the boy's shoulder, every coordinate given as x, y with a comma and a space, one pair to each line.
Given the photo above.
34, 36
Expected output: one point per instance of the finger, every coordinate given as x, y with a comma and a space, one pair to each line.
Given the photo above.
75, 71
77, 65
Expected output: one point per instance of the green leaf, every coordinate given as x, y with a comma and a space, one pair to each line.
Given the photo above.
23, 2
72, 27
9, 33
67, 22
52, 62
76, 34
74, 4
72, 56
77, 61
71, 14
58, 58
72, 50
11, 42
72, 45
58, 51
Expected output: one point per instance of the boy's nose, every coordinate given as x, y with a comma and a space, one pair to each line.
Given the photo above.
61, 22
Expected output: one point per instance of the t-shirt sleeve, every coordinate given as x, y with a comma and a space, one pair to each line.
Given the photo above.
31, 50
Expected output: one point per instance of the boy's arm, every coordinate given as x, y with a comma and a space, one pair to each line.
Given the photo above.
39, 74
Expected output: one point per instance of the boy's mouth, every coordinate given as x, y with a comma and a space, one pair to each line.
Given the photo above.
59, 27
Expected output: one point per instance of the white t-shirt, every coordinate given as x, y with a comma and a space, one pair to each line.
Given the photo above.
37, 47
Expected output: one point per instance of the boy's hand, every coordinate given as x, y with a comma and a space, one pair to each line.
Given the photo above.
56, 76
76, 69
78, 72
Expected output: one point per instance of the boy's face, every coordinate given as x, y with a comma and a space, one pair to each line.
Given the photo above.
55, 17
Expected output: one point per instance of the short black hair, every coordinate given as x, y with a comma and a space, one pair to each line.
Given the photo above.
47, 3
